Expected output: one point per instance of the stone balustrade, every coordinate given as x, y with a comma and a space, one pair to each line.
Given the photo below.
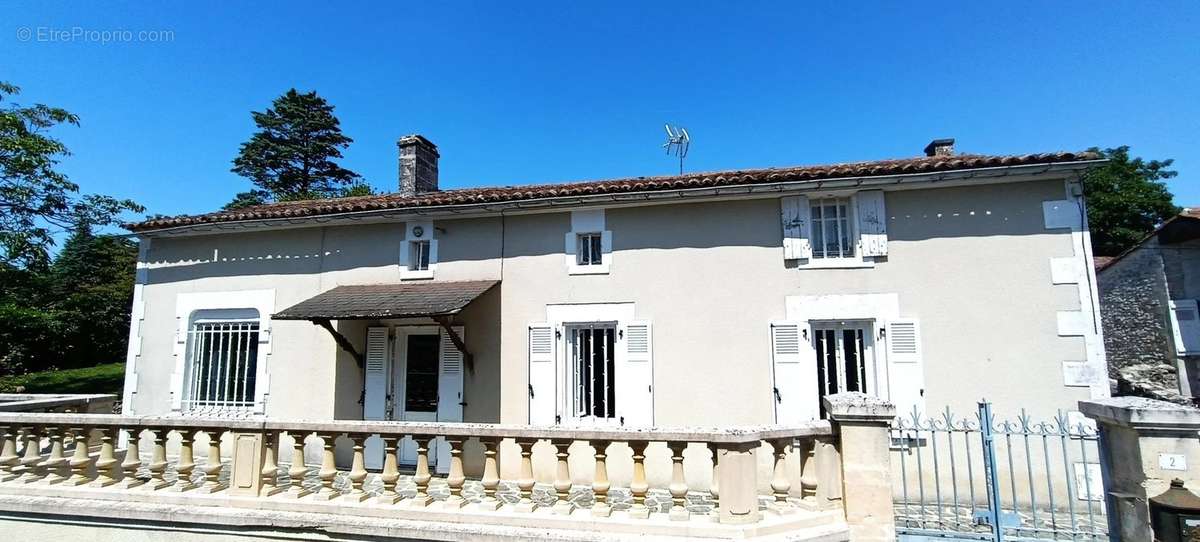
261, 464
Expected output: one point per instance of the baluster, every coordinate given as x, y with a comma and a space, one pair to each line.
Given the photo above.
158, 461
455, 477
780, 484
828, 490
270, 470
51, 470
80, 461
600, 483
297, 470
8, 453
132, 460
562, 476
638, 486
358, 470
808, 473
187, 460
391, 473
32, 455
422, 476
678, 487
491, 474
328, 468
212, 463
526, 482
108, 469
714, 488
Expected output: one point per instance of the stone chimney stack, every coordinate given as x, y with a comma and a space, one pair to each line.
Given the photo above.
418, 165
940, 147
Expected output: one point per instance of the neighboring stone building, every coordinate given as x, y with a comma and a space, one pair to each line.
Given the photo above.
1148, 299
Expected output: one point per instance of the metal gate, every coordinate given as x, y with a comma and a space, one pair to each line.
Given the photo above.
977, 478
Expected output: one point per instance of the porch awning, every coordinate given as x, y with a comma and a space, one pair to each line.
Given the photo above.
379, 301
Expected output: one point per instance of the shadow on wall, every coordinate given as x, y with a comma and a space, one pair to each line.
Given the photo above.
982, 211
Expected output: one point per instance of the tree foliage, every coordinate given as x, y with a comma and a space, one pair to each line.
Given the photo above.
72, 313
1126, 199
292, 154
36, 200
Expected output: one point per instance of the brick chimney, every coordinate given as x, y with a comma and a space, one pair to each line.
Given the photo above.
418, 165
940, 147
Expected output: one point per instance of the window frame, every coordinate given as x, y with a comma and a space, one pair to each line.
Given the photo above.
853, 261
586, 223
409, 258
1181, 336
576, 410
250, 400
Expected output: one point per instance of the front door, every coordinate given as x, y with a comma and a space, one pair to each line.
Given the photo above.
845, 358
415, 382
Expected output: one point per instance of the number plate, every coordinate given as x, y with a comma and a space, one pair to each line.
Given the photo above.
1172, 462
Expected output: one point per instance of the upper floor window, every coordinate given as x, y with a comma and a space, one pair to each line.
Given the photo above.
832, 230
589, 244
222, 367
419, 251
589, 251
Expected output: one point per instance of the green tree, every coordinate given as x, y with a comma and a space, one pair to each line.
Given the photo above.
36, 200
292, 154
92, 286
1126, 199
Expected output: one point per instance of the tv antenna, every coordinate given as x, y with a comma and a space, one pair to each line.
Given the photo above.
677, 142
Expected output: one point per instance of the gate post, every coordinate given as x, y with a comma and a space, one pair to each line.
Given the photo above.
861, 423
989, 468
1144, 443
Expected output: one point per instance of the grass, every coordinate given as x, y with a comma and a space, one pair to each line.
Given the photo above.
108, 378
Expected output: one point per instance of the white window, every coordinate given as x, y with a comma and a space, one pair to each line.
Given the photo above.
845, 359
588, 244
1185, 326
589, 249
593, 366
222, 368
832, 231
419, 251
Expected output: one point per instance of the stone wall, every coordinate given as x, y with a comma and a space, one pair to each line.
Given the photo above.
1137, 334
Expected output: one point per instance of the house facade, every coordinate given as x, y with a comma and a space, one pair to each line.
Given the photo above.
1148, 295
727, 298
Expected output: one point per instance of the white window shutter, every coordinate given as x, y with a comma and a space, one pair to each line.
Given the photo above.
907, 386
450, 391
794, 213
375, 390
1185, 326
794, 371
543, 404
872, 222
635, 376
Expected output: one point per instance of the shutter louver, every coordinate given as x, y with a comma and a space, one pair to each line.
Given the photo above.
872, 222
794, 213
543, 402
450, 390
375, 392
635, 376
907, 374
794, 373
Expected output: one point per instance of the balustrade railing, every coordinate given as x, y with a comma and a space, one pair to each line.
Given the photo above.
265, 460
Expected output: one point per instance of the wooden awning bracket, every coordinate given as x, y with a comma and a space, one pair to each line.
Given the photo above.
468, 359
341, 340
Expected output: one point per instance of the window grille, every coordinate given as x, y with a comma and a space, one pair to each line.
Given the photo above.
844, 360
420, 256
223, 365
832, 236
588, 249
594, 363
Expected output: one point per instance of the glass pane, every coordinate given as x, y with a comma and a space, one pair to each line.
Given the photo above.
596, 250
847, 242
831, 239
853, 360
817, 236
421, 376
816, 212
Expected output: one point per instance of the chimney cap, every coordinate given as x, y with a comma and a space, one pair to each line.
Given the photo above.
415, 139
940, 147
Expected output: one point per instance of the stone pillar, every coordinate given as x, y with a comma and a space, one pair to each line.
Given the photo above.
1144, 444
861, 423
738, 475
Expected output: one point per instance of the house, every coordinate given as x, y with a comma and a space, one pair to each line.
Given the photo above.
716, 299
1148, 298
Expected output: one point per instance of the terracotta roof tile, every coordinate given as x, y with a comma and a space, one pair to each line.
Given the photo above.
310, 208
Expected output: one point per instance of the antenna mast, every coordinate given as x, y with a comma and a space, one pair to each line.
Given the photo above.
678, 141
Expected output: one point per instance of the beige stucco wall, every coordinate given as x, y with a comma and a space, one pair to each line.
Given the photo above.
973, 263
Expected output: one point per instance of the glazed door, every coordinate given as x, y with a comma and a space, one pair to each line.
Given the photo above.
416, 386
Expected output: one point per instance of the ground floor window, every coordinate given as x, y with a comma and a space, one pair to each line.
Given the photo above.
845, 358
592, 349
223, 365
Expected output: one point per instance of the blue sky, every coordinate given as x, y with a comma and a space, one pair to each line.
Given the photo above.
538, 92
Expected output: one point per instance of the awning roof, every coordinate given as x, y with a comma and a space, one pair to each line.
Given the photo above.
378, 301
